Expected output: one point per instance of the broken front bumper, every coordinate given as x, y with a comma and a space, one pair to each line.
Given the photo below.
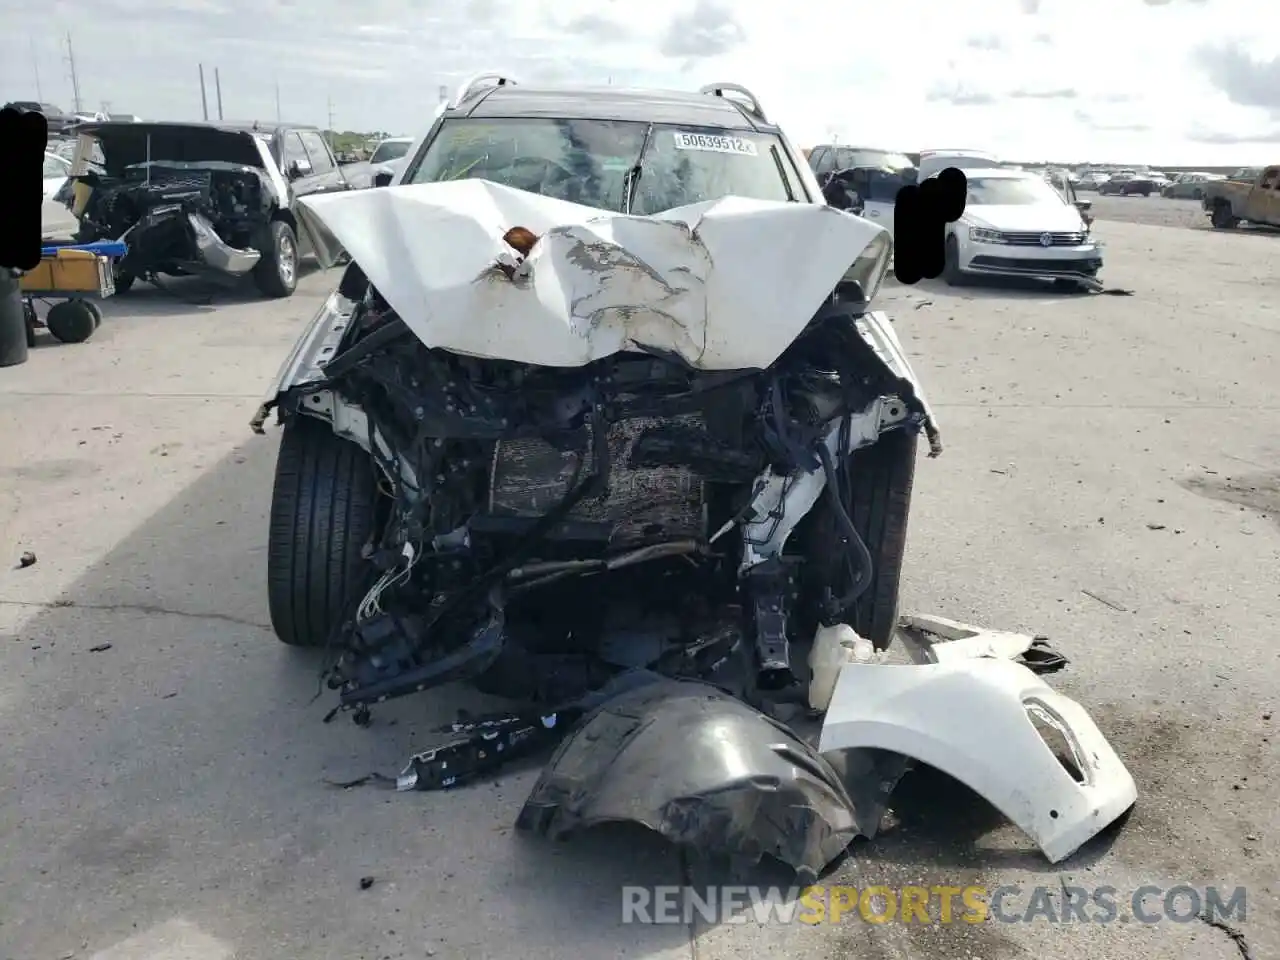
702, 769
216, 253
967, 708
711, 773
172, 236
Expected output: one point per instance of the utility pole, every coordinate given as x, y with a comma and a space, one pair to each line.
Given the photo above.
217, 86
278, 120
330, 102
35, 62
75, 83
204, 100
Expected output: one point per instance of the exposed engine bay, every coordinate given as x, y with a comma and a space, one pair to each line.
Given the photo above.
548, 527
640, 545
180, 217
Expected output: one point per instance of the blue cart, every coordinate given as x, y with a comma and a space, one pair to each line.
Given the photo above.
77, 282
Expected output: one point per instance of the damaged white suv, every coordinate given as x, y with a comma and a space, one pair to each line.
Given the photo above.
599, 420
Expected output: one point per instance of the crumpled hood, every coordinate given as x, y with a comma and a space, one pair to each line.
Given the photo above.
726, 284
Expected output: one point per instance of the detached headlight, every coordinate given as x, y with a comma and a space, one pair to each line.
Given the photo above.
869, 269
983, 235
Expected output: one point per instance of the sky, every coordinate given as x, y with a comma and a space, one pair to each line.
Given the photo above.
1179, 82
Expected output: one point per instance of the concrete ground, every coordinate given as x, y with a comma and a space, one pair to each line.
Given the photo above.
1110, 480
57, 220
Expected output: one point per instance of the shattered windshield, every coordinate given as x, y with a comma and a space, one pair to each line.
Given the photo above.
1006, 191
589, 161
390, 150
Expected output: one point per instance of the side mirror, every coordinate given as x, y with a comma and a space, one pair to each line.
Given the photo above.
297, 169
1084, 206
383, 178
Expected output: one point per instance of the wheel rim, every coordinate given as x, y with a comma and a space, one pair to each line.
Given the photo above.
288, 260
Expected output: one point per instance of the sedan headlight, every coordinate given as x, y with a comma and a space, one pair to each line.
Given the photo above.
983, 235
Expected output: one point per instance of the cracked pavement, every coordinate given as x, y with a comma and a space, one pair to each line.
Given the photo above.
165, 797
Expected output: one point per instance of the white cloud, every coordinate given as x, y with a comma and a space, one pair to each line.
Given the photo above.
1091, 79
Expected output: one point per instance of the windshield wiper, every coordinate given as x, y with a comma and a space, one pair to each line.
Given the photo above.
632, 180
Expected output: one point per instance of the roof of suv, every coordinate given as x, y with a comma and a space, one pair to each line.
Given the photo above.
611, 103
1001, 173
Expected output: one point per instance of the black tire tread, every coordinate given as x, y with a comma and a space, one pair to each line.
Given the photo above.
322, 514
951, 273
879, 501
883, 476
72, 321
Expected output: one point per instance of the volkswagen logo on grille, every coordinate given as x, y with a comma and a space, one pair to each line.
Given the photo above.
1046, 239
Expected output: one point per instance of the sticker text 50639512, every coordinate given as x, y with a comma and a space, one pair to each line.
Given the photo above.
715, 143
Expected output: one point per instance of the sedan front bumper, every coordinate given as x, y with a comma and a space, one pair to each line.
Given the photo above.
1081, 262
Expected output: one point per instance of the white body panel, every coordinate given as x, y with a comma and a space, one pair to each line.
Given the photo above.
725, 285
966, 709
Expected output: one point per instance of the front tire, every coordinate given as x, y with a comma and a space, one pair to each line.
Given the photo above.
277, 272
952, 275
882, 477
1222, 218
323, 508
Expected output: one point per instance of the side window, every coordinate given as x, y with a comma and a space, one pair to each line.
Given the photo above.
844, 159
1271, 179
318, 151
820, 160
883, 187
54, 167
294, 152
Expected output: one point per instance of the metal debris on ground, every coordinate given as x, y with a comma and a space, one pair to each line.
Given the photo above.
100, 648
1114, 605
26, 560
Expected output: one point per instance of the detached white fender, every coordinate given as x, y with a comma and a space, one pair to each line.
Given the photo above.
970, 716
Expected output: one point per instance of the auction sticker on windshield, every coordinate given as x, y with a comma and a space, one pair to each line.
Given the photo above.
714, 143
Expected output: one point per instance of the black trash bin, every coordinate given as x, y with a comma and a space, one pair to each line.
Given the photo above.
13, 320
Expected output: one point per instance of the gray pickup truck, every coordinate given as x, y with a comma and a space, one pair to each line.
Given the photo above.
212, 199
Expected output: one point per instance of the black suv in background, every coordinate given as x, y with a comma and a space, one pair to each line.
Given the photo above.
1127, 186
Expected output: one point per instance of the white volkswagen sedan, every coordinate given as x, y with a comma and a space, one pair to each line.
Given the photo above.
1015, 224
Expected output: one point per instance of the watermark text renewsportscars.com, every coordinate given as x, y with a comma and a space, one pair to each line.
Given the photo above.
939, 904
